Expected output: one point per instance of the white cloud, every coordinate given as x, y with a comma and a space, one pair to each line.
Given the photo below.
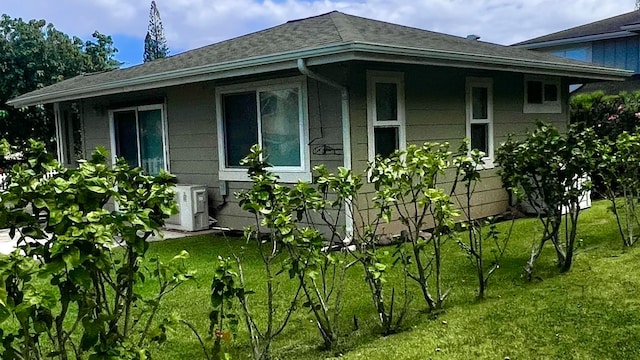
193, 23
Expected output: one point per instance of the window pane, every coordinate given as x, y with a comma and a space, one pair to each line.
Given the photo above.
386, 140
151, 147
126, 136
581, 54
386, 102
240, 126
550, 92
280, 115
479, 102
534, 92
480, 137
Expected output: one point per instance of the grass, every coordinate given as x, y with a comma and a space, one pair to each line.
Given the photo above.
592, 312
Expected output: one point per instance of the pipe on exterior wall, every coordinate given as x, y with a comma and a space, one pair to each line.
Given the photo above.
346, 133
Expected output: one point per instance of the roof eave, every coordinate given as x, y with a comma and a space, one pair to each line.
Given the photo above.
575, 40
470, 60
324, 55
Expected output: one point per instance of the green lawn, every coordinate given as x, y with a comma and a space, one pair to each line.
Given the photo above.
593, 312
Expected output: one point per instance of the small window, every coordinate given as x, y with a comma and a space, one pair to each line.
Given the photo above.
138, 136
542, 95
480, 116
385, 108
270, 114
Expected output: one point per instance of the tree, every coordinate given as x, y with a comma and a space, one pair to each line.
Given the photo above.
547, 170
155, 44
33, 55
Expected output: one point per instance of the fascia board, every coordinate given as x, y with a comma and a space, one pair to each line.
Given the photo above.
576, 40
469, 60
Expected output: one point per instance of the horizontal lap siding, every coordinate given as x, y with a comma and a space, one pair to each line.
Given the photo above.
436, 111
95, 124
191, 124
192, 137
325, 137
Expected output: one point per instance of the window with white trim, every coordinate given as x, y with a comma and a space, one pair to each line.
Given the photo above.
479, 94
271, 114
542, 95
138, 134
385, 113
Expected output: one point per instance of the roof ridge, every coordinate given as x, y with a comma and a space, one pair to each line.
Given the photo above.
346, 30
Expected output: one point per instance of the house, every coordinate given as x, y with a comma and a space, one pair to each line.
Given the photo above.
612, 42
334, 89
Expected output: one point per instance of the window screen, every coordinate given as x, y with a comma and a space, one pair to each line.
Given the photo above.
534, 92
386, 101
386, 140
240, 126
126, 136
480, 137
550, 92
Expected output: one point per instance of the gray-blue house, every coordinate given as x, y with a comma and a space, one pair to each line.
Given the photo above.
612, 42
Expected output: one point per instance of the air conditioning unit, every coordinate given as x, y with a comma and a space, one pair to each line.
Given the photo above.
193, 214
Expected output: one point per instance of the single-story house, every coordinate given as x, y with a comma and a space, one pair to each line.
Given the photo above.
332, 89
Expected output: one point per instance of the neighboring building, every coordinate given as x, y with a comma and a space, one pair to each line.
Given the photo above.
612, 42
334, 89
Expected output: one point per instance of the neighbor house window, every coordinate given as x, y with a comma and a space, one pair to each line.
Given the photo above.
270, 114
138, 136
385, 108
479, 94
542, 95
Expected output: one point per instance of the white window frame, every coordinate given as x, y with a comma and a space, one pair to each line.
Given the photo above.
374, 77
546, 107
165, 142
289, 174
487, 83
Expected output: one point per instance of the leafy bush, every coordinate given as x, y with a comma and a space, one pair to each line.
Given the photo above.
71, 288
546, 169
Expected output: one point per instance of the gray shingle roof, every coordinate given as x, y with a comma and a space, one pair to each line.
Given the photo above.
605, 26
298, 38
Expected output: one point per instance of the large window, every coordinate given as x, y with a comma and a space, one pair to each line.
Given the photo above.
138, 136
542, 95
385, 113
271, 114
479, 94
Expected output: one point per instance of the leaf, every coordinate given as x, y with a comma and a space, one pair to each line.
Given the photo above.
72, 257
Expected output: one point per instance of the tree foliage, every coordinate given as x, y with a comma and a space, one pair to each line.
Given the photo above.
34, 54
67, 291
547, 169
155, 44
615, 120
409, 186
607, 115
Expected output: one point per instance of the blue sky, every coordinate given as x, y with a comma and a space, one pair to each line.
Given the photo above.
189, 24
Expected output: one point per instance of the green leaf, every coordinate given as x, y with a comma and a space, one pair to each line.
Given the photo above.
72, 257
